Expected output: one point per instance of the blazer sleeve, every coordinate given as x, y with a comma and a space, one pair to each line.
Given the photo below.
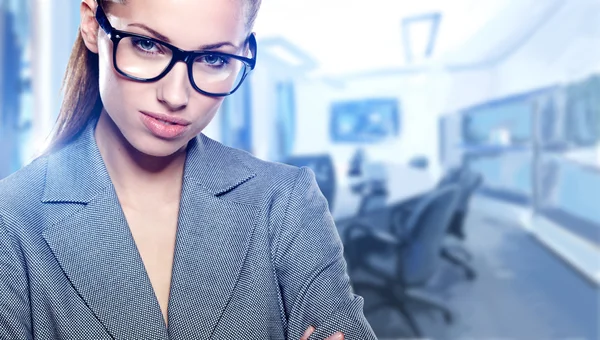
311, 269
15, 314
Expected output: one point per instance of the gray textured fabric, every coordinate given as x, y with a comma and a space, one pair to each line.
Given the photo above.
257, 254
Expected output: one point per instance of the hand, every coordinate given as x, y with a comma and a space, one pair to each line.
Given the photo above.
311, 329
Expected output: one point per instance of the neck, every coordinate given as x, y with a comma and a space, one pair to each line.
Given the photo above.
138, 177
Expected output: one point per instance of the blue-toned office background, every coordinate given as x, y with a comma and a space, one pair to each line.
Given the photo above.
397, 95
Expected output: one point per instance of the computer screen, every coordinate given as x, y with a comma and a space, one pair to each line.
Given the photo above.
364, 121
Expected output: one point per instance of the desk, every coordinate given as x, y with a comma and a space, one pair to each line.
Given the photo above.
404, 183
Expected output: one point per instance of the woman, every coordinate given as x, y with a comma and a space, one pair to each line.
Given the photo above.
136, 226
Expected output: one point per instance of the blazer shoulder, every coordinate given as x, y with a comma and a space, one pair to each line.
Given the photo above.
271, 180
273, 175
24, 188
271, 171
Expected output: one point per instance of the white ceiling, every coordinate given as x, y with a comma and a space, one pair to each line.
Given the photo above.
353, 36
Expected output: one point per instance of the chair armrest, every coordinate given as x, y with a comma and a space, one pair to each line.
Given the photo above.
408, 206
353, 228
369, 231
375, 240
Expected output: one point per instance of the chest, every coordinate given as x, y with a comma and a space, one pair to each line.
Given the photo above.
216, 278
154, 232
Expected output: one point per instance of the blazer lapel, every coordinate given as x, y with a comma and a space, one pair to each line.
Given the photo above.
94, 246
212, 239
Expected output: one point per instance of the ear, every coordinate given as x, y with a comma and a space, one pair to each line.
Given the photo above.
89, 26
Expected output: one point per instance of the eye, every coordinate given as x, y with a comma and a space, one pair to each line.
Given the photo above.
145, 45
213, 60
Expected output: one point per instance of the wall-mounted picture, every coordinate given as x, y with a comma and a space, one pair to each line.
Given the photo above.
365, 121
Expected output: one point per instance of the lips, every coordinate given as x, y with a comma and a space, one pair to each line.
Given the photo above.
167, 118
164, 126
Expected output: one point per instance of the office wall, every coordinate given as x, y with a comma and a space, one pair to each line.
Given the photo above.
563, 50
269, 72
424, 95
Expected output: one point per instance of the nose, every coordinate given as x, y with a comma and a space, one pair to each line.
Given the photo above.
174, 89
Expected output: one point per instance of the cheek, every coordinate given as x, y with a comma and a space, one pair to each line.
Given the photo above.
109, 82
116, 92
207, 109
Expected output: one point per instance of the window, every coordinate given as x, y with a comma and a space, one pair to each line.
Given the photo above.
501, 123
236, 119
583, 113
286, 119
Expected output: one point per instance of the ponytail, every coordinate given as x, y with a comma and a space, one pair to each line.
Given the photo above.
81, 101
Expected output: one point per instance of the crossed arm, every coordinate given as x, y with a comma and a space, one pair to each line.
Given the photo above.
312, 271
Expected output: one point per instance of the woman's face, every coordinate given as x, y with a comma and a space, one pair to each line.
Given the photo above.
189, 25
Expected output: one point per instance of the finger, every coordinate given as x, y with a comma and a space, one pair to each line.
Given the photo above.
336, 336
307, 333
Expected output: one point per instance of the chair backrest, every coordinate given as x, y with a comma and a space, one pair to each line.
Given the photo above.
323, 167
427, 225
374, 199
357, 162
474, 181
451, 176
467, 181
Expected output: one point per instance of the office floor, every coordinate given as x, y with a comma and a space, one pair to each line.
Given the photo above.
523, 291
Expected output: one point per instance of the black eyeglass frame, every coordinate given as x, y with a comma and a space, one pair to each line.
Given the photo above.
187, 57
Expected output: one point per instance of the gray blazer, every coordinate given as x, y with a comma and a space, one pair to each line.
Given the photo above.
257, 253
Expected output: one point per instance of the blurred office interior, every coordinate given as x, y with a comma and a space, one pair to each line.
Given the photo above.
457, 143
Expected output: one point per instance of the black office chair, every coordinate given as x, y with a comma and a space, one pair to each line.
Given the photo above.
323, 167
404, 259
373, 197
373, 189
468, 182
458, 255
357, 162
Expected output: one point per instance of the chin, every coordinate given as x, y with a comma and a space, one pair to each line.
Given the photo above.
155, 147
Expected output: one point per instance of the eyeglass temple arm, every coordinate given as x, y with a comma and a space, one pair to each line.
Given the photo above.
102, 19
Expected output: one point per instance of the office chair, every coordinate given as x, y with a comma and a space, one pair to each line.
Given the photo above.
357, 163
468, 182
403, 259
458, 255
373, 197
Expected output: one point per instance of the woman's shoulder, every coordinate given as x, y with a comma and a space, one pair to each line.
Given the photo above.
268, 177
25, 185
262, 168
22, 191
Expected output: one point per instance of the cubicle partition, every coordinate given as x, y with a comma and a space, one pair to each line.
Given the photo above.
539, 151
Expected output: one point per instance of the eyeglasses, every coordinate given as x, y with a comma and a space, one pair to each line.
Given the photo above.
147, 59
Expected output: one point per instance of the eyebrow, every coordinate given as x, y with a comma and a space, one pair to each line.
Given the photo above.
167, 40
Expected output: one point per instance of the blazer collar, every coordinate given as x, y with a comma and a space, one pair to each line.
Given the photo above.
77, 173
94, 247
